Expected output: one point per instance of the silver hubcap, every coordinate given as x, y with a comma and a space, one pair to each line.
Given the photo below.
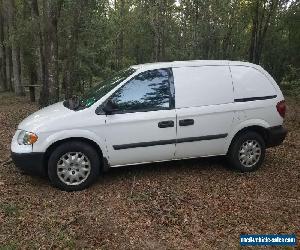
73, 168
249, 153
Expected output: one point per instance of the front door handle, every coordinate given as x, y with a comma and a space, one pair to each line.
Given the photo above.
166, 124
186, 122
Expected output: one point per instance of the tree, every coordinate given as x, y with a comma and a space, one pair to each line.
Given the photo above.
3, 80
66, 46
47, 36
15, 49
50, 86
262, 13
71, 47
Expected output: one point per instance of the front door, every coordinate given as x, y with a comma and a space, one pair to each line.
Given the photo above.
143, 126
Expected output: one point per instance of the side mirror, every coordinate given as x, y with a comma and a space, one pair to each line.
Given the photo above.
109, 107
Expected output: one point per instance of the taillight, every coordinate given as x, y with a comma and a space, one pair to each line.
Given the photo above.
281, 108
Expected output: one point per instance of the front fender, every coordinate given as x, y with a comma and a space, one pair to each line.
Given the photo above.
46, 140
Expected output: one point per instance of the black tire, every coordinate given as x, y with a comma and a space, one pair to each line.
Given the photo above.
91, 156
234, 151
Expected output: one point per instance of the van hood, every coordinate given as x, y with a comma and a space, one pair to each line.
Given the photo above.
42, 117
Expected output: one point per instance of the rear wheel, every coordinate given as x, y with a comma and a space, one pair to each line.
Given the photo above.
73, 166
247, 152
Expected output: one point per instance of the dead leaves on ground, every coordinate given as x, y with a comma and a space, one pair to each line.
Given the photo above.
195, 204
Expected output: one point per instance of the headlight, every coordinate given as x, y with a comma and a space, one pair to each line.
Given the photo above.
27, 138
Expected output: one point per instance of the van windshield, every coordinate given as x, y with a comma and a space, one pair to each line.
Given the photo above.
98, 91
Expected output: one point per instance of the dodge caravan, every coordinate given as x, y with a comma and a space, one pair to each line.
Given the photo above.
155, 112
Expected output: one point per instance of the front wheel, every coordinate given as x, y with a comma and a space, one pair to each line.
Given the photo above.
73, 166
247, 152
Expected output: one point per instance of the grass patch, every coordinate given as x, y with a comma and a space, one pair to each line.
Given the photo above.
9, 246
66, 241
10, 209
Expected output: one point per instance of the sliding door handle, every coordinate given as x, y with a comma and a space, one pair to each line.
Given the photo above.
166, 124
186, 122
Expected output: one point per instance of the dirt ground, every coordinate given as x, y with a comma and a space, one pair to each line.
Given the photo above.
191, 204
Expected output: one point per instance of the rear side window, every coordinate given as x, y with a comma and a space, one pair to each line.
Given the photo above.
250, 83
147, 91
204, 85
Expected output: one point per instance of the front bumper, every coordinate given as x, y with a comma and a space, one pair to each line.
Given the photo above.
276, 136
31, 163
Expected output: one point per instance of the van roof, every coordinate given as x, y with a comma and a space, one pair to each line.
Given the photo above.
192, 63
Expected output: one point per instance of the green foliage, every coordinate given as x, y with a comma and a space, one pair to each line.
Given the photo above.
291, 82
96, 38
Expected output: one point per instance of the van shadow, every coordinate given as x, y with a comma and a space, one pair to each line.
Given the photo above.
215, 163
208, 165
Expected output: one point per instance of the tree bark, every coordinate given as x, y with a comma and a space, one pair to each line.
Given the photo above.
22, 73
18, 87
69, 78
40, 65
8, 63
261, 17
120, 36
48, 49
3, 81
195, 33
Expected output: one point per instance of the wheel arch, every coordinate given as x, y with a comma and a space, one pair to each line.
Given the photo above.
95, 145
262, 131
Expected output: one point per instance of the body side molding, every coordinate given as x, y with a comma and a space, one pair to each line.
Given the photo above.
249, 99
172, 141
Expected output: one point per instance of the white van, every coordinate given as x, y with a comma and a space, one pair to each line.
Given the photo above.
155, 112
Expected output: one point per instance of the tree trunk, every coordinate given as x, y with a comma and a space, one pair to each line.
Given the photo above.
22, 73
8, 63
3, 81
260, 25
18, 87
69, 78
33, 81
40, 66
120, 37
195, 33
50, 88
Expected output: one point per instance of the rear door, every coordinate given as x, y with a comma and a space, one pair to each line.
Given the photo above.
143, 127
204, 98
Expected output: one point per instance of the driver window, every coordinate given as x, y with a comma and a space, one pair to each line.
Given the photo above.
147, 91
